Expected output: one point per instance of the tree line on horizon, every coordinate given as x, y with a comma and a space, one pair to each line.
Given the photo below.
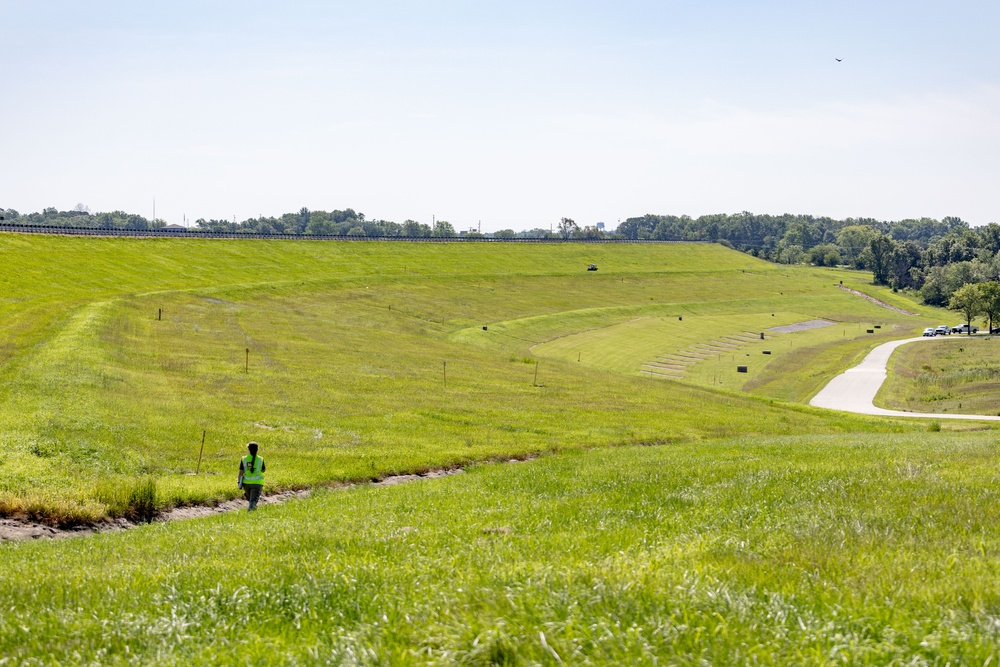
347, 222
933, 258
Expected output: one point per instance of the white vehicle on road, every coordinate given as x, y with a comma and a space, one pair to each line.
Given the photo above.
930, 331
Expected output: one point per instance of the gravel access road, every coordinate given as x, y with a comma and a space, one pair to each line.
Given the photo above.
854, 390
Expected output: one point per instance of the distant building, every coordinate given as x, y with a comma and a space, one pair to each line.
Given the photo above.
175, 227
600, 226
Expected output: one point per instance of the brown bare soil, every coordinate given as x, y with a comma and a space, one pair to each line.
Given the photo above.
877, 302
15, 529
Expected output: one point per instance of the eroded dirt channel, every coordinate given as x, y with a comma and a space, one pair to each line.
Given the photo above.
16, 529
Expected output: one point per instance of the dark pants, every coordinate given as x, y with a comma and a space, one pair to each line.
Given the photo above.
252, 493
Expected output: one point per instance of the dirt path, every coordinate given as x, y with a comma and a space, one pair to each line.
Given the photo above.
802, 326
877, 302
15, 529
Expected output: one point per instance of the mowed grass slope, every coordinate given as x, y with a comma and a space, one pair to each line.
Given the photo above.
365, 358
752, 532
698, 318
858, 549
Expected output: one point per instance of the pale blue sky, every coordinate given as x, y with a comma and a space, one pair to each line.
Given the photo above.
512, 113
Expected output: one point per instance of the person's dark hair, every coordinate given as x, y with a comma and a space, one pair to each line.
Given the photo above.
252, 446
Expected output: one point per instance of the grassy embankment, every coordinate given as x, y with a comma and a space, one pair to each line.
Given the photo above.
853, 549
787, 366
764, 533
365, 359
959, 374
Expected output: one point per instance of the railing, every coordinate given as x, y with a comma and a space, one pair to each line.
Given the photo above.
205, 234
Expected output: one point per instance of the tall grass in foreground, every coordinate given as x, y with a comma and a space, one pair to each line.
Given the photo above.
133, 499
867, 549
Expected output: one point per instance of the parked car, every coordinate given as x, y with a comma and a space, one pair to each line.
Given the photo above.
943, 330
964, 328
995, 331
929, 331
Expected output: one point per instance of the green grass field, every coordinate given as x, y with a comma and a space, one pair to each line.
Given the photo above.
959, 374
367, 359
773, 551
711, 518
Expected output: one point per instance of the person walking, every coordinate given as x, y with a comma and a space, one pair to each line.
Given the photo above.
251, 478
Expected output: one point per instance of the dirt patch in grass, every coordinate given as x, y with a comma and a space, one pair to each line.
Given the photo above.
802, 326
16, 529
877, 302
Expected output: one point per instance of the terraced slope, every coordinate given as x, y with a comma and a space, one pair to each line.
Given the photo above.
674, 365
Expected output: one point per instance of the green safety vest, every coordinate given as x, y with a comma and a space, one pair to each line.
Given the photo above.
253, 475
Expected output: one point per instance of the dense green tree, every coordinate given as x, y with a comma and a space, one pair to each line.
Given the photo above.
792, 254
443, 229
968, 300
799, 233
879, 253
824, 254
382, 228
989, 294
588, 233
935, 288
664, 231
989, 236
924, 229
902, 260
416, 229
852, 241
320, 226
567, 227
940, 282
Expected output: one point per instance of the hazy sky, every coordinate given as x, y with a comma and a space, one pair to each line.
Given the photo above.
510, 113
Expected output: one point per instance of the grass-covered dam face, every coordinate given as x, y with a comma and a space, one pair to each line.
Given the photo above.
679, 511
352, 361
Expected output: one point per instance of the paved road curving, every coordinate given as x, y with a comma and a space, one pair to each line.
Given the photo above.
854, 390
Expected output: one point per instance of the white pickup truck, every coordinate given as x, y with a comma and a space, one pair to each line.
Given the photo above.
963, 328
